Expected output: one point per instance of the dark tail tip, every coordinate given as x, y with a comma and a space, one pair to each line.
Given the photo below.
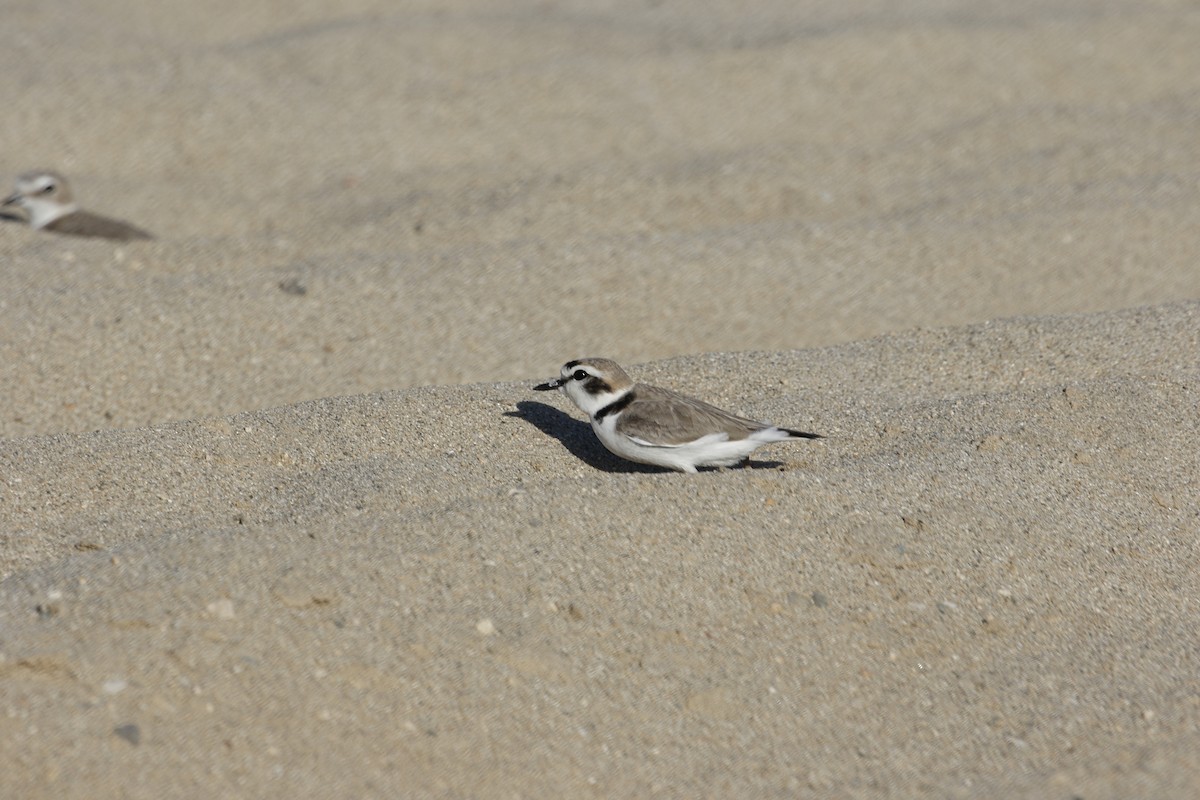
802, 434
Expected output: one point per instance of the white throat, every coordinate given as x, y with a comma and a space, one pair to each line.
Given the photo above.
43, 212
590, 403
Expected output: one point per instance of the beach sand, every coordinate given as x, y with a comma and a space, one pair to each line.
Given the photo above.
281, 516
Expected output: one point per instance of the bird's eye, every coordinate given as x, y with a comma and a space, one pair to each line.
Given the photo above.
581, 375
48, 188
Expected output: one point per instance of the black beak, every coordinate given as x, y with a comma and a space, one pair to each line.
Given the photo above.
548, 385
12, 199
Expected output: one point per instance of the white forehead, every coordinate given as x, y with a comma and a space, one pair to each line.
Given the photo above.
571, 367
32, 182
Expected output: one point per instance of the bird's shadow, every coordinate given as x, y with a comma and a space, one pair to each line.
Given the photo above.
578, 438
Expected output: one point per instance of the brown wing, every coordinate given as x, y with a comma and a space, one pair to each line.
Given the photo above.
669, 419
81, 223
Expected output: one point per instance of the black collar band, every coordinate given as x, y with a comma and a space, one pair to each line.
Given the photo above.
616, 405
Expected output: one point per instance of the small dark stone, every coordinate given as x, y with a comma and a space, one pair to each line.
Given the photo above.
819, 600
130, 733
293, 286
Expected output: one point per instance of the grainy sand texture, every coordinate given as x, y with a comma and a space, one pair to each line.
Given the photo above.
281, 517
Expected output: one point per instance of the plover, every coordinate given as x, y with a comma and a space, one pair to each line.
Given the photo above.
658, 426
47, 198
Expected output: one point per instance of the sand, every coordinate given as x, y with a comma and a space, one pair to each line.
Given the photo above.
280, 515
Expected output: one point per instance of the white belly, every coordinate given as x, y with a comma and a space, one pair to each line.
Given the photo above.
714, 450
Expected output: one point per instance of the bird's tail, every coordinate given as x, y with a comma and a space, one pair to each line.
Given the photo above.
774, 434
801, 434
